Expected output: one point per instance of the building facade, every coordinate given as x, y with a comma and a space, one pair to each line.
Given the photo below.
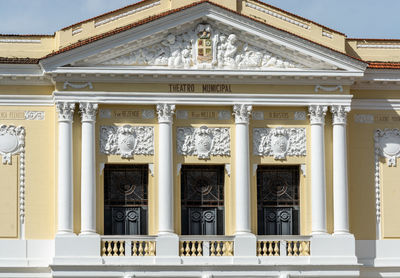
199, 139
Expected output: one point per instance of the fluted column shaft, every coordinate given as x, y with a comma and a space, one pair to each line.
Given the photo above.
318, 187
165, 168
340, 184
88, 170
65, 112
242, 168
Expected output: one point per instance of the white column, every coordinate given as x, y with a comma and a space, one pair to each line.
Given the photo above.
318, 192
88, 170
65, 112
242, 114
165, 169
340, 190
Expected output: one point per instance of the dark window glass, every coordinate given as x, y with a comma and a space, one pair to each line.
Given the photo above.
125, 199
202, 199
278, 200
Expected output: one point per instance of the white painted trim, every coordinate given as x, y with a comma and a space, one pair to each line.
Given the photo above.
278, 15
29, 100
119, 16
19, 41
204, 11
386, 46
375, 104
187, 72
201, 99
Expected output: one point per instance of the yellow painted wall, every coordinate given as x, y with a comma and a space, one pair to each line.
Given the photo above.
362, 178
39, 177
9, 199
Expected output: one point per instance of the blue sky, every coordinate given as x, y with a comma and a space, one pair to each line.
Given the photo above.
355, 18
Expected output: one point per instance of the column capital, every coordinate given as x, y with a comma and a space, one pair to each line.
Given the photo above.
65, 111
165, 112
88, 111
339, 113
317, 113
242, 113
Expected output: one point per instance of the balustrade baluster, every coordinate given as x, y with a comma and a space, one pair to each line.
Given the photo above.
199, 249
276, 249
289, 248
115, 248
218, 250
212, 248
295, 250
140, 248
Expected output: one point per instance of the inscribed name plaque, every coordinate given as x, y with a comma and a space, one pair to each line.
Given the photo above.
200, 88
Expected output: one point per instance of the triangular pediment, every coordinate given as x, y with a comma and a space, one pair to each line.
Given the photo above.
206, 37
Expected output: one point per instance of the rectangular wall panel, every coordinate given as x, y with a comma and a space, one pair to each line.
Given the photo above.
9, 199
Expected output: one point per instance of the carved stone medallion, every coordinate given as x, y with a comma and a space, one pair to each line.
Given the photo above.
387, 144
203, 141
12, 141
127, 140
279, 142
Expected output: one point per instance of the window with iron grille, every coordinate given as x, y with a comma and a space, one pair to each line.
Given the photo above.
202, 199
125, 199
278, 200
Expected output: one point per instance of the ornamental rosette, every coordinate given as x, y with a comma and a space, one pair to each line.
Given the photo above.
242, 113
65, 111
165, 112
339, 113
88, 111
317, 114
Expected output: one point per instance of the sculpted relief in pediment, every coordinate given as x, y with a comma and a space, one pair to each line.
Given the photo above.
203, 48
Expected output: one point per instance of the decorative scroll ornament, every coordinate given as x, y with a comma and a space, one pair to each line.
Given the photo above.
65, 111
34, 115
279, 142
328, 88
165, 112
203, 142
387, 144
317, 114
339, 113
204, 47
127, 140
77, 85
88, 111
242, 113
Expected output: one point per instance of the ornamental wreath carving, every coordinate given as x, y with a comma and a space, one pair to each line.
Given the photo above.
387, 144
279, 142
127, 140
204, 47
203, 141
12, 141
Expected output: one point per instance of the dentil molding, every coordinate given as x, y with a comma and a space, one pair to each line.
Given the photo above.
279, 142
203, 141
127, 140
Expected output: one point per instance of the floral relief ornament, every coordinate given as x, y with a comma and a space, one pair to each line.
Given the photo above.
242, 112
88, 111
203, 141
127, 140
165, 112
279, 142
